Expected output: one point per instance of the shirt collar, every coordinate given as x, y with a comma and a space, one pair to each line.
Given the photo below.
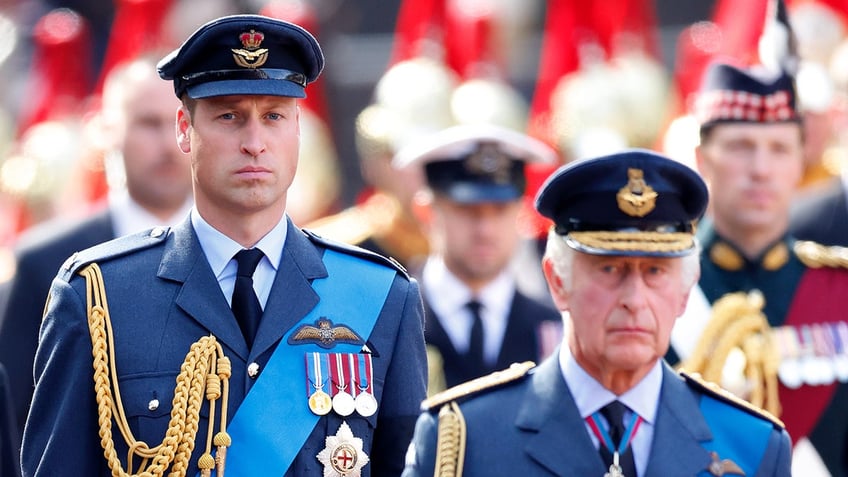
129, 217
453, 294
590, 396
220, 249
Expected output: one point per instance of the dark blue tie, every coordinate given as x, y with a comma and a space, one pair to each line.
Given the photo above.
475, 344
614, 414
245, 305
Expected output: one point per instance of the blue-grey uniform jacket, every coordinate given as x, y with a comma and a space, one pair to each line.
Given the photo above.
162, 297
531, 427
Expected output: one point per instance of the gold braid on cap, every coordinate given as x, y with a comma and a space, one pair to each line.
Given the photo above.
450, 443
205, 369
738, 322
635, 241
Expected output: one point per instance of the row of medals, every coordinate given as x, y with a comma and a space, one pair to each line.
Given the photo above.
813, 355
342, 402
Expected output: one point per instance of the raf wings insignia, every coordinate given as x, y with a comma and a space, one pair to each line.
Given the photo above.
719, 467
324, 334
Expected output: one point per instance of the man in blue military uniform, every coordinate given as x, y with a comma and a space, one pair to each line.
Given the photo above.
315, 367
477, 320
620, 262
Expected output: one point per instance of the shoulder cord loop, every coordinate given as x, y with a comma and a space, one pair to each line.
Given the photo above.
450, 443
205, 368
738, 322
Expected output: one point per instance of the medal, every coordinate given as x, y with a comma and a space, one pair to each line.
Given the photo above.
824, 353
319, 402
342, 455
615, 468
605, 440
366, 403
343, 402
839, 333
789, 370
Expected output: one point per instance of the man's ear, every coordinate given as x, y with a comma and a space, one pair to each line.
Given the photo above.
555, 285
422, 207
183, 129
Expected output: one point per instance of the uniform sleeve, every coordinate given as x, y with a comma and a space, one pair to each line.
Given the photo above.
405, 382
777, 459
61, 433
421, 456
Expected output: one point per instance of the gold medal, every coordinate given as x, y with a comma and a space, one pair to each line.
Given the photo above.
342, 455
320, 403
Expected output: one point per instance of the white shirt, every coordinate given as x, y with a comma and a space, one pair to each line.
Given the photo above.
220, 250
590, 397
448, 297
129, 217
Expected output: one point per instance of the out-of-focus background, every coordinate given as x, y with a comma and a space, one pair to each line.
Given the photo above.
585, 76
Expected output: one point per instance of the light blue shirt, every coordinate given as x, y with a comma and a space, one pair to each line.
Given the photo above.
220, 250
642, 399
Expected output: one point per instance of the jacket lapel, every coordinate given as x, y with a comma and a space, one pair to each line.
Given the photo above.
561, 443
200, 295
292, 296
680, 429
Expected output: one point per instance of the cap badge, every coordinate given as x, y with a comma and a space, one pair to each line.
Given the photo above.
343, 455
637, 198
489, 160
251, 56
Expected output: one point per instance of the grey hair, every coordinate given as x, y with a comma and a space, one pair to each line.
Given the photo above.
562, 259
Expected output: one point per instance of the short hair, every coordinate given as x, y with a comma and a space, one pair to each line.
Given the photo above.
562, 259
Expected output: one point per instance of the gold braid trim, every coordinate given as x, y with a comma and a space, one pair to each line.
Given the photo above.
450, 443
815, 255
204, 370
738, 322
630, 241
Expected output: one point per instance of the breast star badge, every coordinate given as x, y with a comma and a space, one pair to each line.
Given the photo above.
719, 467
343, 455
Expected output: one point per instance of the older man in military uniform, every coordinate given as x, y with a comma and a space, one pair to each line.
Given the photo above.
751, 154
620, 261
235, 333
477, 320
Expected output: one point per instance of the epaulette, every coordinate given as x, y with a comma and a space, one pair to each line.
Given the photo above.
483, 383
348, 226
707, 387
815, 255
357, 251
113, 249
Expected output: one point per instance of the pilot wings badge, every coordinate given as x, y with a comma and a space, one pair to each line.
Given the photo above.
324, 334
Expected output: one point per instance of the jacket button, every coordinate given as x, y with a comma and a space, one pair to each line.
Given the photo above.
253, 370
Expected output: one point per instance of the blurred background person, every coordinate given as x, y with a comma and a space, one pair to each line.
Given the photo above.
477, 320
150, 184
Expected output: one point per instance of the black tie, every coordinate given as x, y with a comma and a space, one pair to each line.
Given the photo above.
245, 305
614, 414
475, 344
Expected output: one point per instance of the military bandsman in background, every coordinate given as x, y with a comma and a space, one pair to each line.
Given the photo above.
235, 332
620, 262
751, 155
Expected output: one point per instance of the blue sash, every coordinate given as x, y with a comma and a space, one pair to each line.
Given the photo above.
266, 443
737, 435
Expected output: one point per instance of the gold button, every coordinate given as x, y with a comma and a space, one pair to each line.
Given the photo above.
253, 370
153, 404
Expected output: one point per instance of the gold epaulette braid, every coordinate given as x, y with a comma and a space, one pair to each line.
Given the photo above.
205, 370
738, 322
450, 443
